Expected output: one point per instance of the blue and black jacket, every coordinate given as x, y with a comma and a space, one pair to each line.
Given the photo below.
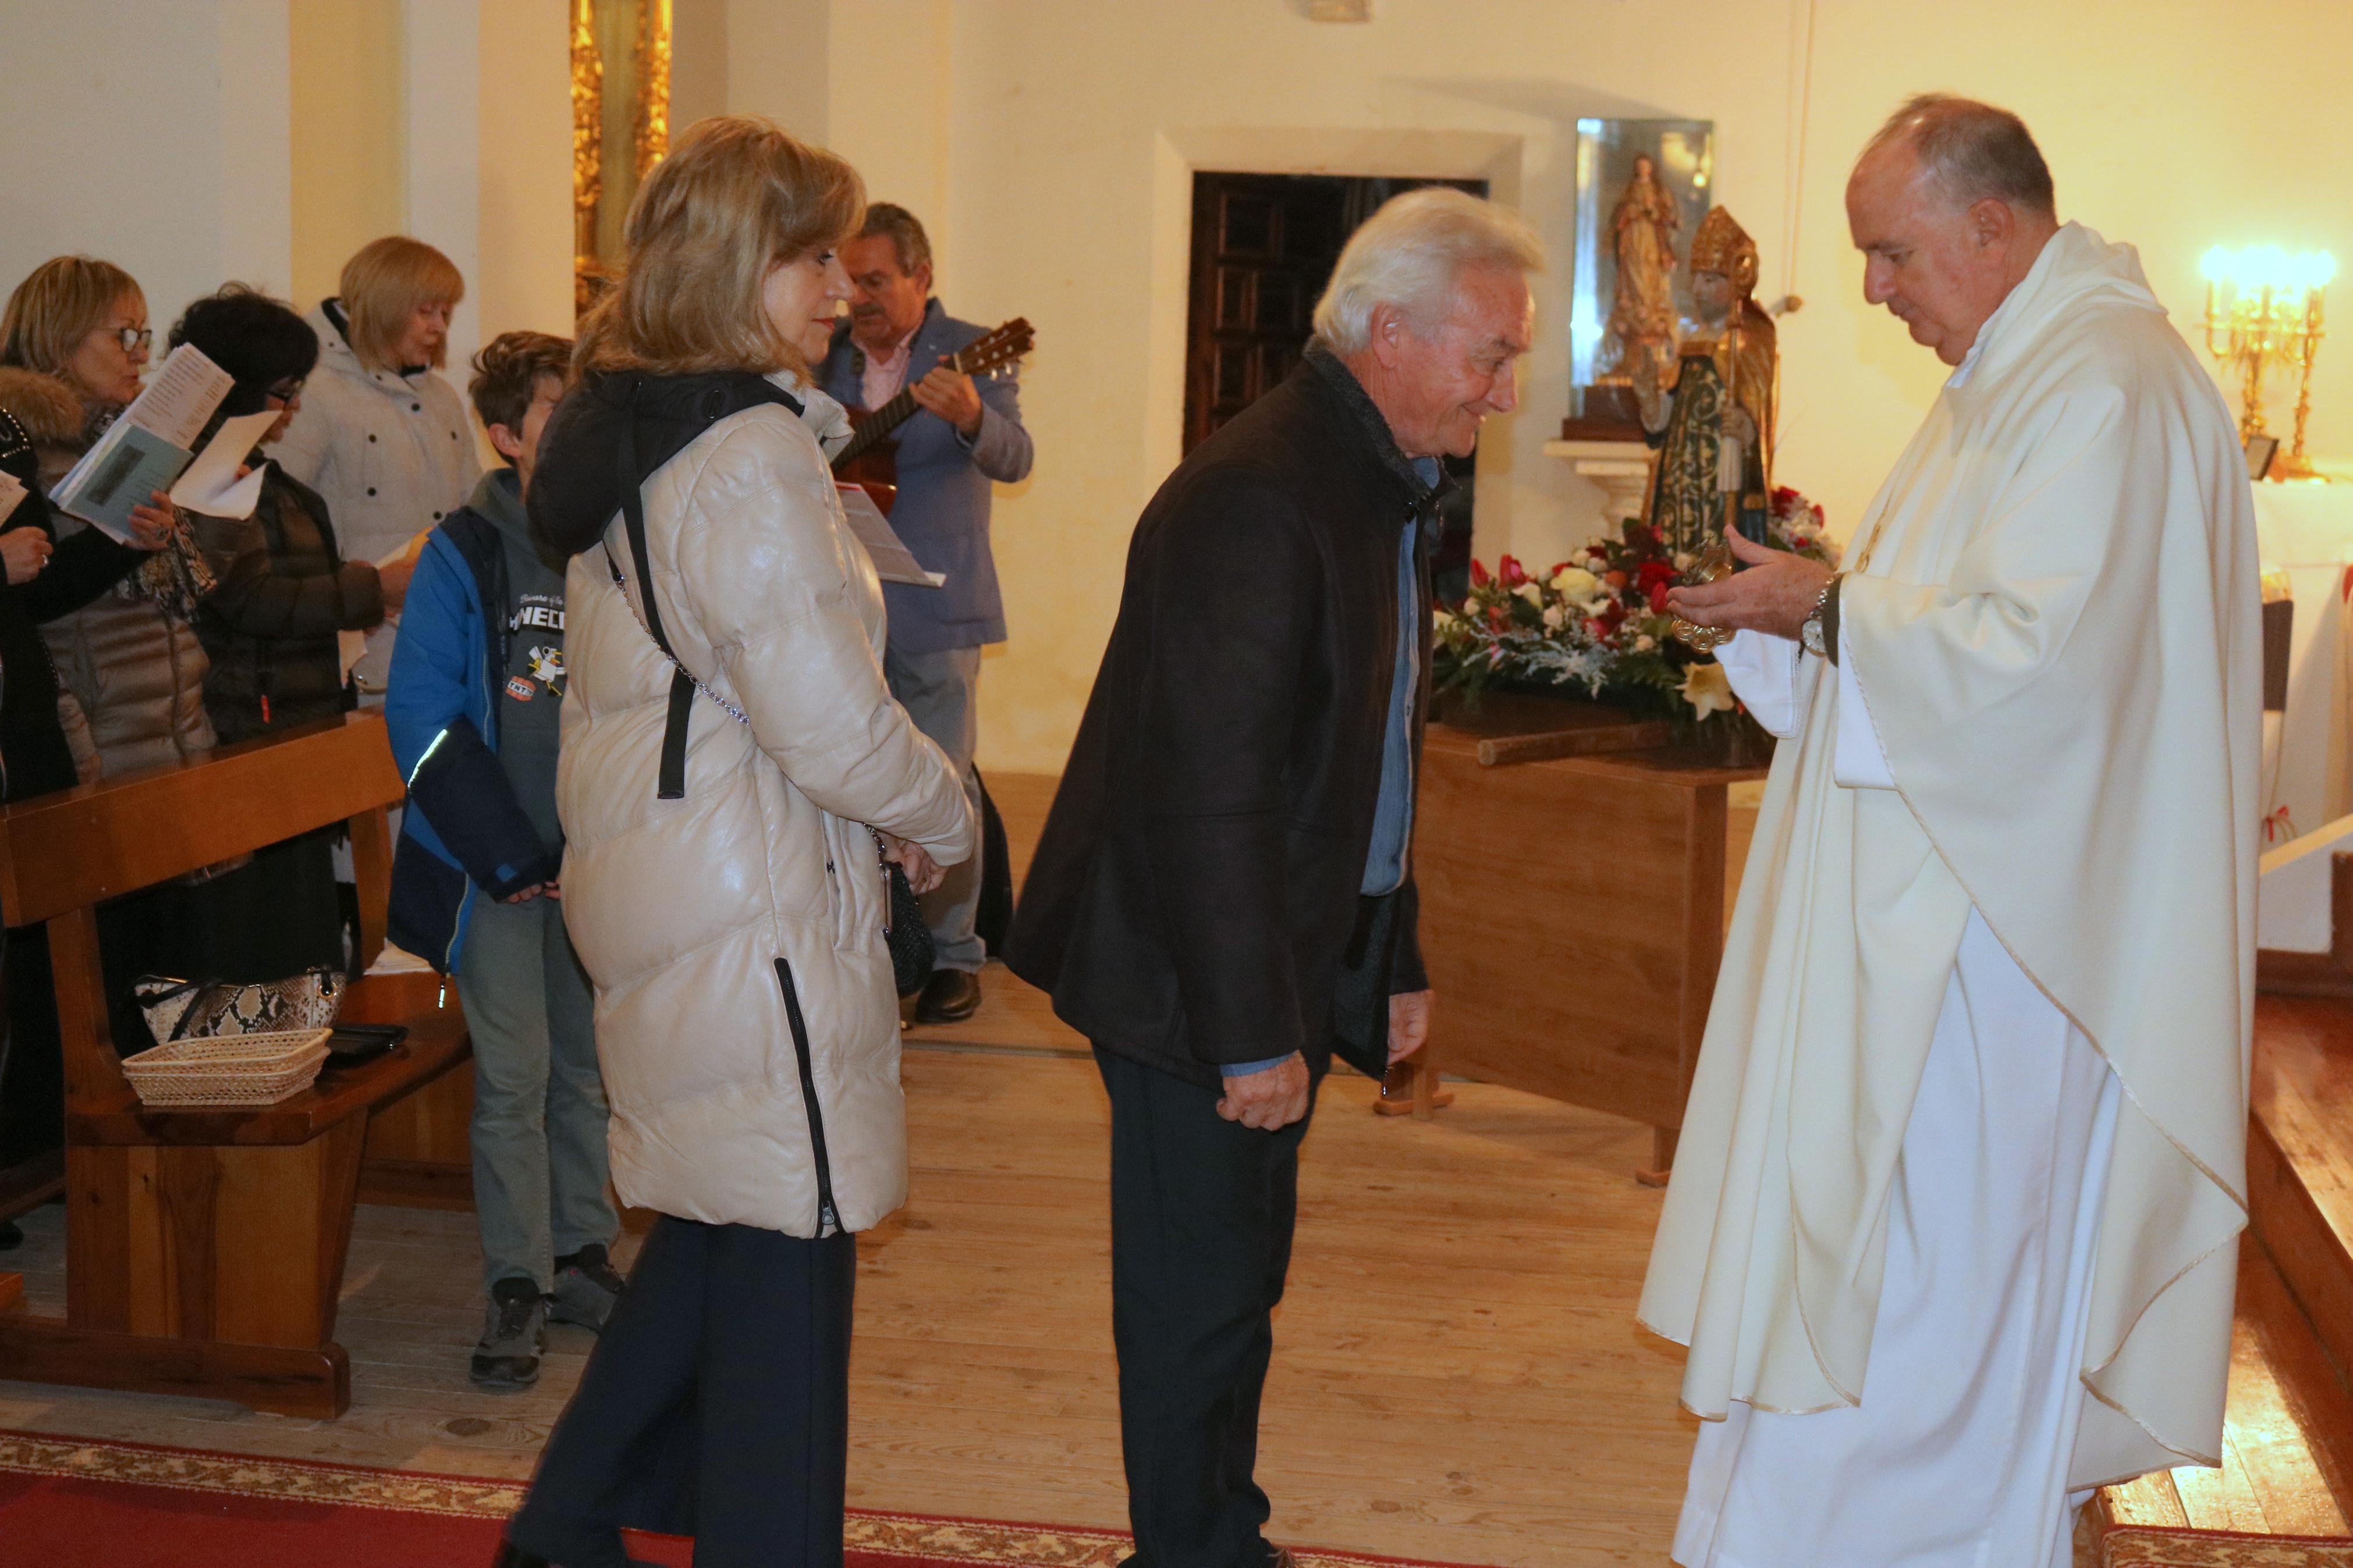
465, 831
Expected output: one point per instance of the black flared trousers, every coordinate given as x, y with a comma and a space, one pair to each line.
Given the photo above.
1201, 1219
716, 1406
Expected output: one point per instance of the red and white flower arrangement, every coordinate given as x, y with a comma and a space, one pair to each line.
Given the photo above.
1598, 626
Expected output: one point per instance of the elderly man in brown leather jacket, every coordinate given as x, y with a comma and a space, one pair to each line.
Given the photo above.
1223, 898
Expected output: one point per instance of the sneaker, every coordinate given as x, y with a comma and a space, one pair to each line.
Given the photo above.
586, 1285
515, 1330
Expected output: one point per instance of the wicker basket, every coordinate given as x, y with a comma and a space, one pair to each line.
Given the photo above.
229, 1069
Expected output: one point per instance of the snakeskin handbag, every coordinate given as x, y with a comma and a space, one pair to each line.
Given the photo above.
214, 1009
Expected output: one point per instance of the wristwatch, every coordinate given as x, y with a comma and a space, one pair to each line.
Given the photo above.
1818, 632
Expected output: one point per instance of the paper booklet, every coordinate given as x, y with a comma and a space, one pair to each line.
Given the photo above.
11, 492
212, 484
148, 447
894, 563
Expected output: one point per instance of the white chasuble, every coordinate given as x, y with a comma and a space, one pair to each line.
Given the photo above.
2055, 640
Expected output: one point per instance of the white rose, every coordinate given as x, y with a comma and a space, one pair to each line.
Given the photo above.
1553, 618
1645, 642
1575, 583
1532, 591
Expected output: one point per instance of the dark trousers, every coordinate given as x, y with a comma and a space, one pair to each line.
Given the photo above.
1201, 1218
716, 1406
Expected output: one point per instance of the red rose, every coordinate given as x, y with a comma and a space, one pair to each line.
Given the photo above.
1512, 573
1499, 617
1659, 598
1479, 578
1613, 618
1653, 572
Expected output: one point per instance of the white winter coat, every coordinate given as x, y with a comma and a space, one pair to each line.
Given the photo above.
390, 455
736, 935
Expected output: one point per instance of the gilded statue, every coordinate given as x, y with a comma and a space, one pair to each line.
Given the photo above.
1712, 421
1643, 236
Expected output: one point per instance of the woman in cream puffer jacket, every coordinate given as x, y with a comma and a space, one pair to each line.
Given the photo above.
725, 803
736, 935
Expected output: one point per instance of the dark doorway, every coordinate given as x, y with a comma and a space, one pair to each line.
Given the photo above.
1263, 247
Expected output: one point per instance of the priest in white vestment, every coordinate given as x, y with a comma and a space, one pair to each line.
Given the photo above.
1952, 1233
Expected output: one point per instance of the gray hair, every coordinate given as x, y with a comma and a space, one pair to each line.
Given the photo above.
906, 234
1408, 254
1972, 151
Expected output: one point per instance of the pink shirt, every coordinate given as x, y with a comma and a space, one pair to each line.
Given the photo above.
885, 374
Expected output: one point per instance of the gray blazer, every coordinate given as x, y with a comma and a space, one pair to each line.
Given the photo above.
943, 490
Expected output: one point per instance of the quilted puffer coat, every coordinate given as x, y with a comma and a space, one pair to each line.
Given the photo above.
131, 669
746, 1019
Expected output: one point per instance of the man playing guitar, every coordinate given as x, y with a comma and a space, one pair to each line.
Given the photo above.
966, 435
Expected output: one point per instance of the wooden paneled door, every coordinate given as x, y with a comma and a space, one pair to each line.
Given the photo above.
1263, 247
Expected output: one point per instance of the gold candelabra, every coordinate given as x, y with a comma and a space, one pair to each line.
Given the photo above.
2264, 311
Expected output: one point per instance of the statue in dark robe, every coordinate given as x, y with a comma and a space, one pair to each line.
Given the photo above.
1713, 422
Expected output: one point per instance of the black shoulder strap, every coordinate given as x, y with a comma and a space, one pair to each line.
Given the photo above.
728, 398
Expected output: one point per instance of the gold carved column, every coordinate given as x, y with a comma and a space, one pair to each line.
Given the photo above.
620, 99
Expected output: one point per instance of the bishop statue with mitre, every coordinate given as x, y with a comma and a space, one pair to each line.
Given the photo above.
1713, 422
1953, 1226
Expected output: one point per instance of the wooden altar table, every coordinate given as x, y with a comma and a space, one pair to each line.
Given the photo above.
1573, 905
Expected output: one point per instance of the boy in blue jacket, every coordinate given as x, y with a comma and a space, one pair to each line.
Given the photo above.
473, 703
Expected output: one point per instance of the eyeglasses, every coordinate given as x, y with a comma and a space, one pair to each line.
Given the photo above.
287, 391
134, 340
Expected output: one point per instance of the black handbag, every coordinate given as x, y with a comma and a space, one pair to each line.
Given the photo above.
913, 954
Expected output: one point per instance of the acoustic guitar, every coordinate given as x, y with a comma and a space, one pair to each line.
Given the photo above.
870, 460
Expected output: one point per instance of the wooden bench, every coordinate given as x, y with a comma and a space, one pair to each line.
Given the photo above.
205, 1249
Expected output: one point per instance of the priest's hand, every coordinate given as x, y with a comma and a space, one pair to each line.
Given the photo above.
1775, 594
1269, 1100
1408, 1024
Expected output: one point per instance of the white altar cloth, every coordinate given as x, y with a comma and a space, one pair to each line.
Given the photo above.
2305, 529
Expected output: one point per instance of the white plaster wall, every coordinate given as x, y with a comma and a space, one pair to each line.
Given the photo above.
524, 169
1074, 125
1073, 135
155, 136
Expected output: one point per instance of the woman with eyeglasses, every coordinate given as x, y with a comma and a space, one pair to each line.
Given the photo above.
381, 434
285, 589
73, 338
270, 631
129, 662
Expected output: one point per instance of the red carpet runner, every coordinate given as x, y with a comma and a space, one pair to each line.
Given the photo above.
66, 1502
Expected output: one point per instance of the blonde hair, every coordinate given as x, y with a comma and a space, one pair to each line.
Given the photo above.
58, 304
383, 285
1408, 254
736, 196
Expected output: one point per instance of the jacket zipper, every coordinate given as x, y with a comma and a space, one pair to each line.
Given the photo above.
828, 1216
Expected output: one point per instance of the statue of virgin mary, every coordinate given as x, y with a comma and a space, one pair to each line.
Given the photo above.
1642, 238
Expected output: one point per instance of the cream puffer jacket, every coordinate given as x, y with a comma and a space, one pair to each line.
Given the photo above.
736, 935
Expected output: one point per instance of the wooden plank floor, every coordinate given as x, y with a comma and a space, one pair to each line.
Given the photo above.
1458, 1374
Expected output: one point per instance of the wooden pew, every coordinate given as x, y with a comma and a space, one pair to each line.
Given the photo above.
205, 1249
